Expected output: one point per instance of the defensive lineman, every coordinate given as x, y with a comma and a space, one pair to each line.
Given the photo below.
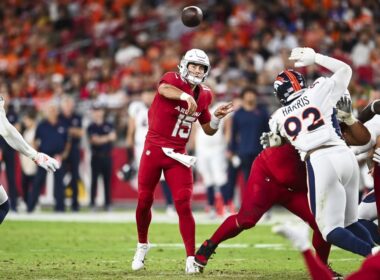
15, 140
307, 119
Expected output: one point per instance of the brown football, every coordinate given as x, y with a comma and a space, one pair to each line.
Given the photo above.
192, 16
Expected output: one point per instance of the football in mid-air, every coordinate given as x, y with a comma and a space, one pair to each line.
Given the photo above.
192, 16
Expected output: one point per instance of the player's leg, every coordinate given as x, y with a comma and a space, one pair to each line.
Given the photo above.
327, 197
204, 169
95, 171
180, 180
148, 177
75, 161
218, 166
260, 194
106, 173
351, 183
9, 158
34, 194
367, 213
297, 204
4, 204
59, 191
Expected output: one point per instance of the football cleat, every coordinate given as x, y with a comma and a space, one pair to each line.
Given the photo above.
336, 275
139, 258
204, 253
376, 250
191, 266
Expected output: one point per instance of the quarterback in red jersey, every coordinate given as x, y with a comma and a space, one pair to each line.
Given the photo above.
180, 101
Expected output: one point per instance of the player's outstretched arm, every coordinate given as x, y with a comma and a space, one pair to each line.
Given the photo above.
223, 110
172, 92
17, 142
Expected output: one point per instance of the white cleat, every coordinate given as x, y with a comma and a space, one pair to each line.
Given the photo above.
191, 266
138, 259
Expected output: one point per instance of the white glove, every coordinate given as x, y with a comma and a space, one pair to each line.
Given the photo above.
270, 139
376, 155
46, 162
302, 57
344, 106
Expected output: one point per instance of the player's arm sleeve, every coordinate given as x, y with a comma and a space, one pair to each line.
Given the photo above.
370, 111
15, 140
342, 72
167, 86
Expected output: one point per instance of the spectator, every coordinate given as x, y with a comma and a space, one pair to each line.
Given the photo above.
73, 125
248, 123
28, 167
101, 136
51, 139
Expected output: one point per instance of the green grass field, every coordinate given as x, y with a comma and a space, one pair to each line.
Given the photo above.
68, 250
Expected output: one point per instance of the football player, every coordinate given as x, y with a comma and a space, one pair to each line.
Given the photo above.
306, 120
180, 100
273, 182
15, 140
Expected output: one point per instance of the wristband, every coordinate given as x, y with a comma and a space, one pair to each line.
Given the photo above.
184, 96
350, 120
214, 123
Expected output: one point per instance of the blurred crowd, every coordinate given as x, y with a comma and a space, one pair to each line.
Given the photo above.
109, 52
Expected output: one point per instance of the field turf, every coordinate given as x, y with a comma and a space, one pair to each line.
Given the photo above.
77, 250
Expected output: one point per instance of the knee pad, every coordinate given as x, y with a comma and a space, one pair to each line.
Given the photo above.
145, 199
183, 195
245, 221
3, 195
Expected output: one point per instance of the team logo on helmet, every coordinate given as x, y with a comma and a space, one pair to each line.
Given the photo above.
287, 83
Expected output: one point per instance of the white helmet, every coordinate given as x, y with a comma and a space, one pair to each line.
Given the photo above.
195, 56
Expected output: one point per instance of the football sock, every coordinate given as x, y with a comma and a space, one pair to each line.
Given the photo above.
317, 270
4, 209
167, 193
226, 230
360, 231
143, 218
186, 225
346, 240
322, 248
372, 228
211, 195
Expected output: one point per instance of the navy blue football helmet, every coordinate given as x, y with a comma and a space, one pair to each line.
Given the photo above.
287, 83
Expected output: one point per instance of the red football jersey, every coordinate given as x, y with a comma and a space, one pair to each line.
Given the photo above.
169, 126
285, 166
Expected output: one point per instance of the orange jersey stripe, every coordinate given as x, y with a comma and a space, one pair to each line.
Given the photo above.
296, 85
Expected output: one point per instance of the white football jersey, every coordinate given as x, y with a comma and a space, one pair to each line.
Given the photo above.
206, 144
139, 111
310, 120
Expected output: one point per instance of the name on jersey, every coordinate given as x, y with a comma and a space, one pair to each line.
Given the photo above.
299, 103
183, 111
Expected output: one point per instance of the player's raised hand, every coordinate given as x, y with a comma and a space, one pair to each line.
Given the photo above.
46, 162
344, 107
302, 57
223, 110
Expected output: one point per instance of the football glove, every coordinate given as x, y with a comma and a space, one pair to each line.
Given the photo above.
302, 56
376, 155
270, 139
46, 162
344, 106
